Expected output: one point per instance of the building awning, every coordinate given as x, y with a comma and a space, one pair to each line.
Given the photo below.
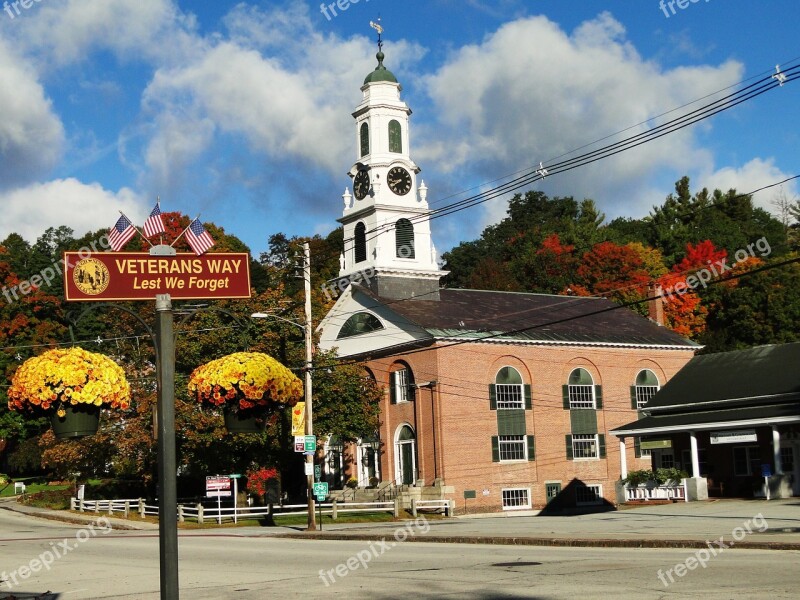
757, 416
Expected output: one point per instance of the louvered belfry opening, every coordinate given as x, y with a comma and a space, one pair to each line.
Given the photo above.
404, 239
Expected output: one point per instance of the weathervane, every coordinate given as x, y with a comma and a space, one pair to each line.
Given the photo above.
379, 28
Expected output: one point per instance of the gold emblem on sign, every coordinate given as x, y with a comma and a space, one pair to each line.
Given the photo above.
91, 276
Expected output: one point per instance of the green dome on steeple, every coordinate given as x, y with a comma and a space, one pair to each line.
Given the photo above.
380, 73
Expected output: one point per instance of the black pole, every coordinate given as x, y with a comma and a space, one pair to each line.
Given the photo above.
167, 468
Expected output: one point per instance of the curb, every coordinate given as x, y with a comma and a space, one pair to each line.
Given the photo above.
552, 542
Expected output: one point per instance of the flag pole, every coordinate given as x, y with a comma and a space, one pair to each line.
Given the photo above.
136, 228
185, 230
160, 235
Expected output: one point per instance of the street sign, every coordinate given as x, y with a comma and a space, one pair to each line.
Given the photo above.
766, 470
235, 476
102, 276
320, 488
310, 443
217, 486
299, 443
320, 498
317, 472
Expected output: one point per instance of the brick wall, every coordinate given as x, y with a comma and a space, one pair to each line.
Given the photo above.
454, 423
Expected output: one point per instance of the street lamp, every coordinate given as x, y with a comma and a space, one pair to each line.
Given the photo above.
306, 327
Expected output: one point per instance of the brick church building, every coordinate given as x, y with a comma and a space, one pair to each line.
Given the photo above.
500, 401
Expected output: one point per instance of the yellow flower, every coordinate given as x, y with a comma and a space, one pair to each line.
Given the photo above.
72, 375
245, 378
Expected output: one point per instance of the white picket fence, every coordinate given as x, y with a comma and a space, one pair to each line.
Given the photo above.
660, 492
201, 514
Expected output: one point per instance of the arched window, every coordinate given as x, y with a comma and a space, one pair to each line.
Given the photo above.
360, 247
395, 137
405, 455
580, 389
404, 239
401, 385
646, 387
508, 389
359, 323
364, 139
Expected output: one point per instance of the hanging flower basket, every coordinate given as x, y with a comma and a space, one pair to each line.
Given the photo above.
71, 385
75, 421
246, 421
248, 386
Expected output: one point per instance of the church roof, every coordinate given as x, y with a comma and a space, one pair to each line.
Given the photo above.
380, 73
511, 316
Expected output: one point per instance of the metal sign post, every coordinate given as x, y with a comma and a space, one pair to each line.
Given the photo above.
167, 484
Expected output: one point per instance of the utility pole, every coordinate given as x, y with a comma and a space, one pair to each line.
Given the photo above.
312, 521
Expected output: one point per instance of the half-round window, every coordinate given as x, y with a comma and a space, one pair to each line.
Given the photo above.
508, 376
359, 323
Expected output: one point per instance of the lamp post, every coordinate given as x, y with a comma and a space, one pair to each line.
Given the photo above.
306, 327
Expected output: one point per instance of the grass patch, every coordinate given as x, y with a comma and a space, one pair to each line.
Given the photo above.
55, 499
33, 487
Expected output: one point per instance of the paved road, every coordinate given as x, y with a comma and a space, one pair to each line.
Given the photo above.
250, 565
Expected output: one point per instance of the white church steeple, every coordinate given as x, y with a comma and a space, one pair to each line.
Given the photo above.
387, 234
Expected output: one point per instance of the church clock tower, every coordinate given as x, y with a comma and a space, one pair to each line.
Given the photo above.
387, 235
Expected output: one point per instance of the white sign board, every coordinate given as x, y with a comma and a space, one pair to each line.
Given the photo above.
218, 486
309, 468
738, 436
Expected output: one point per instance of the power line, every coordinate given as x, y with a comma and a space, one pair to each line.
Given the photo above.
497, 335
533, 174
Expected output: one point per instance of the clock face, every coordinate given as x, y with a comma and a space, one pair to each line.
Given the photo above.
361, 185
399, 181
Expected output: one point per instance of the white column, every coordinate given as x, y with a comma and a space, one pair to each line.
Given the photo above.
695, 454
776, 450
623, 460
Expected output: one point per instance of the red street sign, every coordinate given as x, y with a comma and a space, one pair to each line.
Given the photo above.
100, 276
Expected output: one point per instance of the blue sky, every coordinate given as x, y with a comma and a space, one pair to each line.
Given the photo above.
241, 111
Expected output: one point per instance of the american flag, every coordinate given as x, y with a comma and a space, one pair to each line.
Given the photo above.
154, 224
121, 233
198, 238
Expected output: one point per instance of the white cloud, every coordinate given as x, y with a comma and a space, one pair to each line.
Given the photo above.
31, 134
749, 177
61, 33
30, 210
276, 83
531, 92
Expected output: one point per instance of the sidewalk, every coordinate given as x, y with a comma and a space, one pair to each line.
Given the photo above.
773, 525
754, 524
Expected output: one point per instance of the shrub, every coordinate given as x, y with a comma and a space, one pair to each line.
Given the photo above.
635, 478
352, 483
672, 475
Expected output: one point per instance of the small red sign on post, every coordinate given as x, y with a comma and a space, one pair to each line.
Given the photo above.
102, 276
218, 486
